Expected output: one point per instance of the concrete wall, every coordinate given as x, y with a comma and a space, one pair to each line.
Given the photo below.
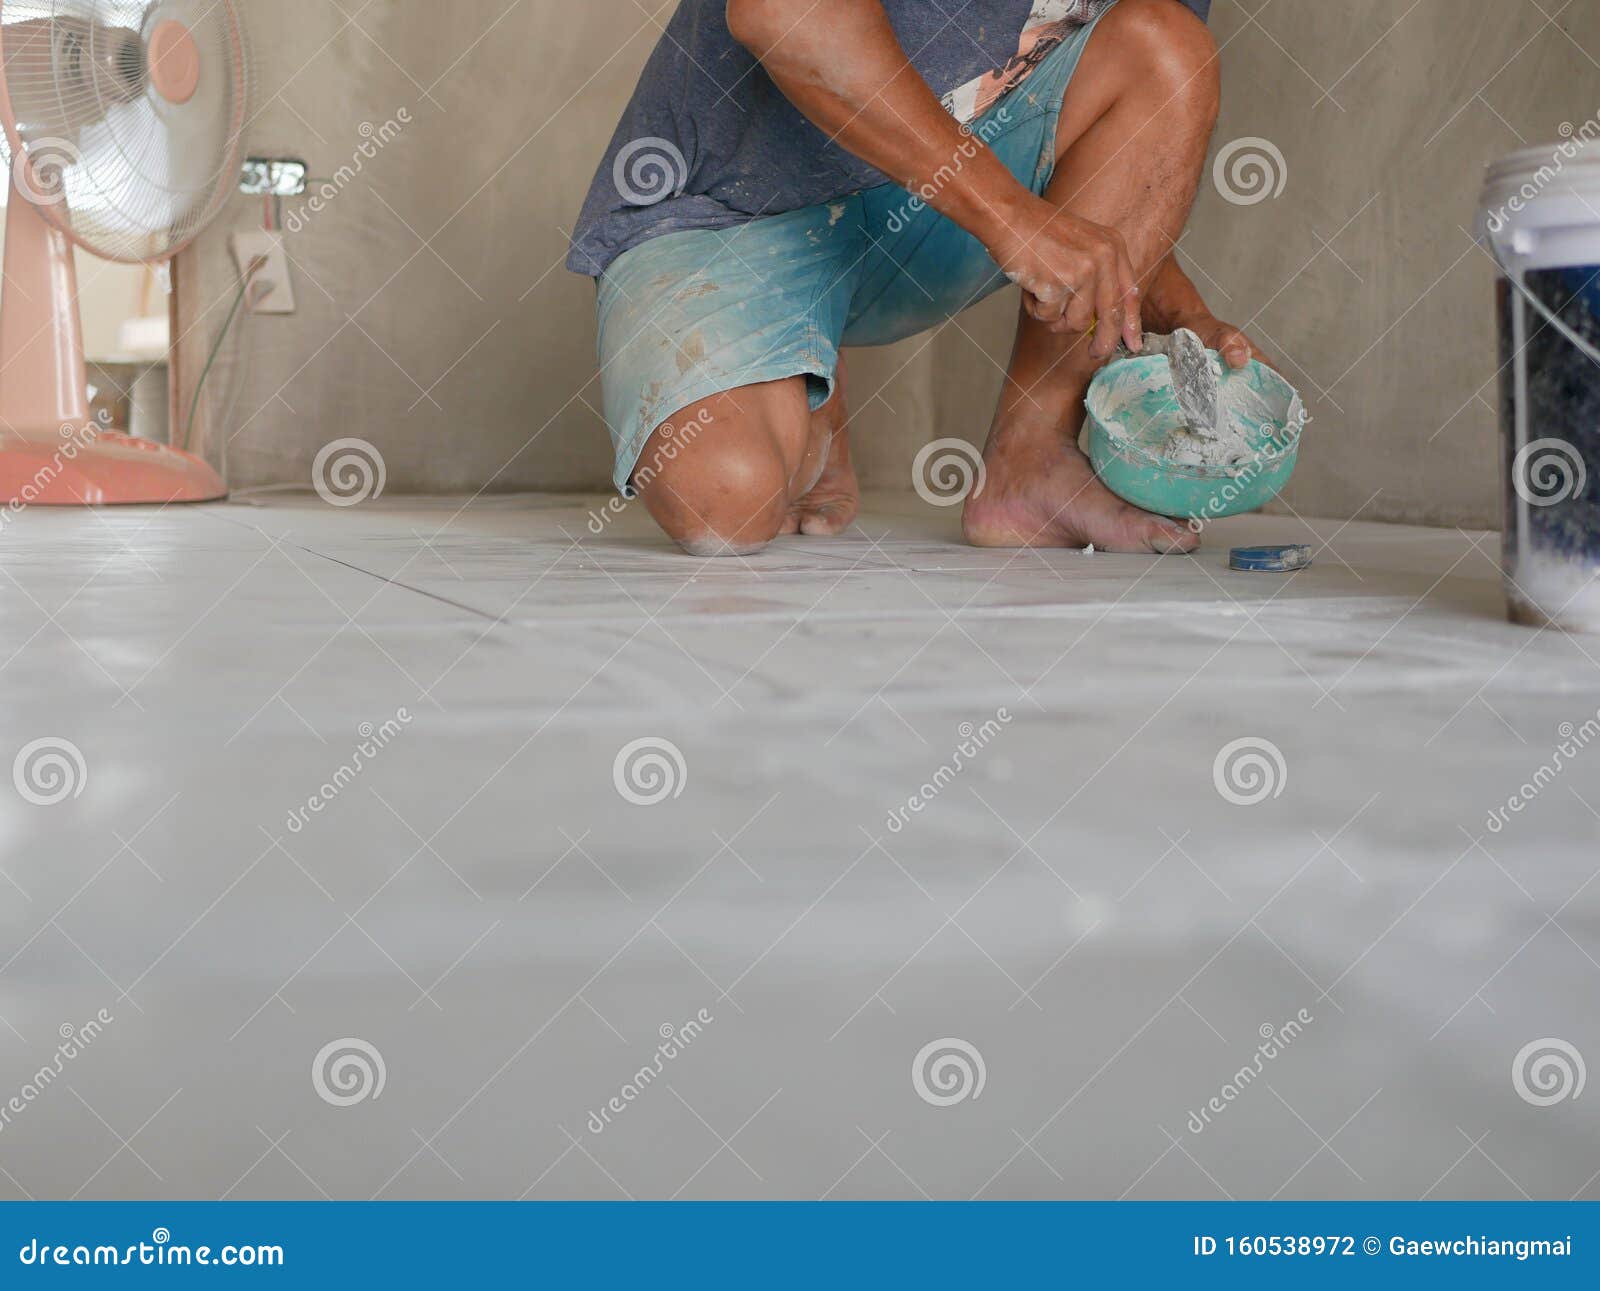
435, 318
436, 321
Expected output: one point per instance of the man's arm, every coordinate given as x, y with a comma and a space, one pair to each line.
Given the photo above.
839, 63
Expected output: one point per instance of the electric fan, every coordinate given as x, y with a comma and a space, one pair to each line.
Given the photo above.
122, 133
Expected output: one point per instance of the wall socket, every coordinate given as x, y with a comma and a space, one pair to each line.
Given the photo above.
270, 290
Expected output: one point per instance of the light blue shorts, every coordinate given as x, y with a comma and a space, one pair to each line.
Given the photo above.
691, 314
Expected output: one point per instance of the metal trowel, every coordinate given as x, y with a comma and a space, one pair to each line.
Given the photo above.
1194, 380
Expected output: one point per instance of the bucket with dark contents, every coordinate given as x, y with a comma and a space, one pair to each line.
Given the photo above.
1541, 220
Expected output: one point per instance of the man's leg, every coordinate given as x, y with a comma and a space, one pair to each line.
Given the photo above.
721, 476
1131, 143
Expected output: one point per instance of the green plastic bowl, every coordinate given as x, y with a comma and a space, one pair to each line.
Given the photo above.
1132, 410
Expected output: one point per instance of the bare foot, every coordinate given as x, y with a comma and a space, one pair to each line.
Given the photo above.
831, 505
833, 501
1042, 492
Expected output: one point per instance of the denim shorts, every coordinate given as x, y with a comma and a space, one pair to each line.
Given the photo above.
695, 313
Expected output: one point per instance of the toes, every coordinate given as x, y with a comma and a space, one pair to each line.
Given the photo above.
791, 523
827, 520
1140, 532
1168, 538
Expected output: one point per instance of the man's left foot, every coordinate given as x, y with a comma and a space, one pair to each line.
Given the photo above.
1044, 493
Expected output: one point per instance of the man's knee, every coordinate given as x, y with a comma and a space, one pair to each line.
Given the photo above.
1173, 51
720, 491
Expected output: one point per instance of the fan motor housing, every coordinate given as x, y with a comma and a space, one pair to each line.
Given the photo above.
174, 62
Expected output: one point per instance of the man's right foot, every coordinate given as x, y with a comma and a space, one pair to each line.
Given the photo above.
1044, 493
833, 501
830, 505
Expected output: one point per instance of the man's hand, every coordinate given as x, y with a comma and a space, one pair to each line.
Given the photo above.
1076, 275
840, 64
1174, 302
1236, 348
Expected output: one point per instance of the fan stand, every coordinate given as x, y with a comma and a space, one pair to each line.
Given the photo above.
51, 452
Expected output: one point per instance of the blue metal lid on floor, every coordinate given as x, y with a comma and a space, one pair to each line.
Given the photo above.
1270, 560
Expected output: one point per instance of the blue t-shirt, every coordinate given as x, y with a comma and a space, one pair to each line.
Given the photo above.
708, 141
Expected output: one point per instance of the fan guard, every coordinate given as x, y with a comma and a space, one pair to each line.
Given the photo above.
128, 115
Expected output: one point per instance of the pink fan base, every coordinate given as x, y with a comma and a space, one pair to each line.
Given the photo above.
99, 468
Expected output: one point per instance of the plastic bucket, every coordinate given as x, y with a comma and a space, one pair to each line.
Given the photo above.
1132, 410
1541, 220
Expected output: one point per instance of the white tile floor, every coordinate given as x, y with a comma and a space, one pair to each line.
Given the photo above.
1076, 901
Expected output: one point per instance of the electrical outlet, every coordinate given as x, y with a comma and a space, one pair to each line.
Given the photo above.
270, 289
273, 176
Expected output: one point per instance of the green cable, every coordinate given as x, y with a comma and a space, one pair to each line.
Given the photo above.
194, 407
